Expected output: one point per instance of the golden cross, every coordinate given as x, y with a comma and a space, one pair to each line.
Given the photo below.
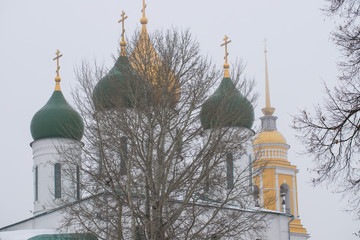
225, 44
122, 20
58, 55
143, 10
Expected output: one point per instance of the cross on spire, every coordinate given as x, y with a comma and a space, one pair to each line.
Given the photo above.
143, 9
122, 20
143, 20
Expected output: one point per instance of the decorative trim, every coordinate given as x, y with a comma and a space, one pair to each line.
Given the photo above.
271, 153
284, 170
295, 234
271, 145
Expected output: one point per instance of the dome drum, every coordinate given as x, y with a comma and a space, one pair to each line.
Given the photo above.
268, 123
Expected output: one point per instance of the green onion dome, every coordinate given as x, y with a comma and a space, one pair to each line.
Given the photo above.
57, 119
121, 87
227, 107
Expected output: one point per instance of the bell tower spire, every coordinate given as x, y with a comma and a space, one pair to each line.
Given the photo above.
268, 110
277, 181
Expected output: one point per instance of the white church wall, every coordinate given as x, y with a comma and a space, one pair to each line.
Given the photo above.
51, 220
24, 234
46, 155
298, 236
278, 228
277, 224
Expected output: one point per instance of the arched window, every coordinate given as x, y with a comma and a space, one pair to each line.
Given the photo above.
139, 233
101, 160
36, 183
57, 175
123, 155
179, 142
256, 196
230, 170
214, 237
285, 198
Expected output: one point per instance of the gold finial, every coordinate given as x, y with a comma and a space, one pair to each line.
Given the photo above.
123, 43
268, 110
226, 65
143, 20
57, 79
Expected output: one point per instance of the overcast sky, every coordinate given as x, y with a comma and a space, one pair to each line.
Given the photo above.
300, 57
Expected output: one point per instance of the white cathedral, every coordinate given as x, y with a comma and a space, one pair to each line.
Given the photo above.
274, 184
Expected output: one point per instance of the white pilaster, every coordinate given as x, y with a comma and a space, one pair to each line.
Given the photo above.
277, 190
294, 196
261, 191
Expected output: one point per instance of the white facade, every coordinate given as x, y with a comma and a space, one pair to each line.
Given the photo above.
50, 222
47, 209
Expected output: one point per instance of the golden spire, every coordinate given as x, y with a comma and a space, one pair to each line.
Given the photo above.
144, 39
123, 43
143, 20
268, 110
57, 79
226, 65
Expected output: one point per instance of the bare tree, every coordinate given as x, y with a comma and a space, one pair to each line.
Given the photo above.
331, 133
347, 35
331, 136
149, 170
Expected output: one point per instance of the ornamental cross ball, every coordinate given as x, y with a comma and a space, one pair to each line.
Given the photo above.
58, 56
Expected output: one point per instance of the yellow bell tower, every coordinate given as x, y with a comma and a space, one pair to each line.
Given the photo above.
275, 180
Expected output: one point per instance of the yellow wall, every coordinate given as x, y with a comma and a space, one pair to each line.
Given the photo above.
268, 176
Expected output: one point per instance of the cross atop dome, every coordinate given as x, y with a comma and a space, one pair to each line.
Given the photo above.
226, 65
57, 79
123, 43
